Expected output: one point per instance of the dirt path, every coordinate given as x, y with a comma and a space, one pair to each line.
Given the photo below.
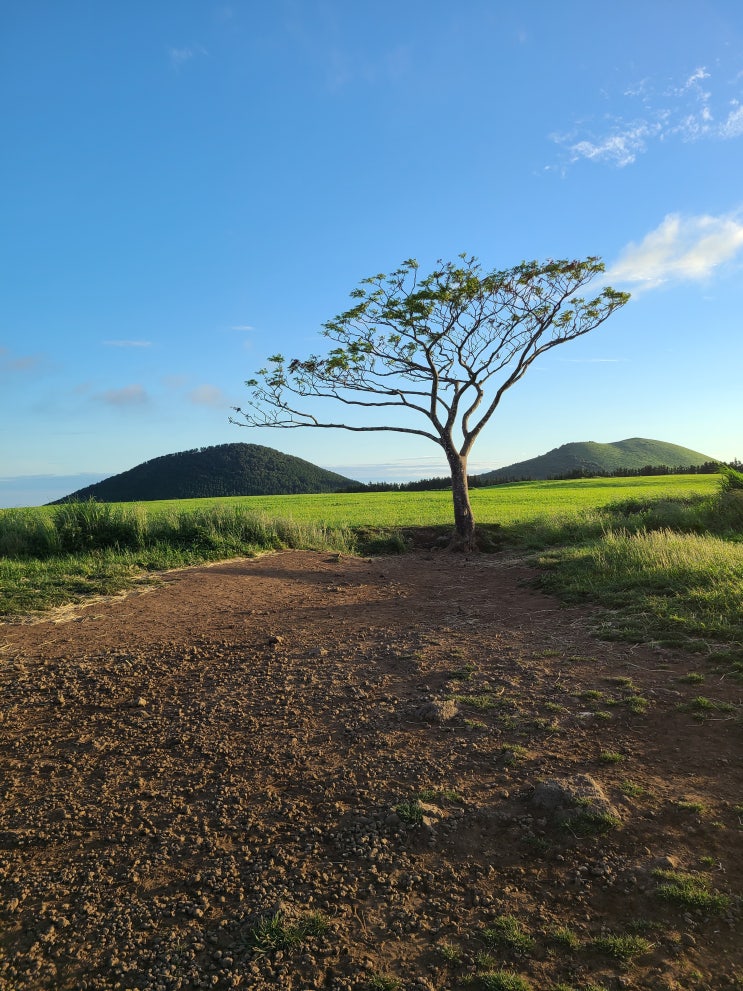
251, 738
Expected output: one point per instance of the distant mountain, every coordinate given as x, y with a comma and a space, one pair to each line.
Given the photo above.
589, 457
224, 470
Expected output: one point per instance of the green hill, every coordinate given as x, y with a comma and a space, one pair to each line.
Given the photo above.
590, 457
224, 470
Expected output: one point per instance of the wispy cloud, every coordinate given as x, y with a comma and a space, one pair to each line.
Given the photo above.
243, 326
129, 395
128, 344
679, 249
208, 395
688, 110
179, 56
10, 362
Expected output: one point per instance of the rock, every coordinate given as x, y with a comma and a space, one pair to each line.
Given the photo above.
437, 711
556, 797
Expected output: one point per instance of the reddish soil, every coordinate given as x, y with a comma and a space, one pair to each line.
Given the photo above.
240, 741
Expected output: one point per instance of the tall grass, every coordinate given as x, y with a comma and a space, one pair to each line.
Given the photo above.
684, 589
83, 549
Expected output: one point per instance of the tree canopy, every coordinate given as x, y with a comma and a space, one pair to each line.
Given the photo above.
443, 349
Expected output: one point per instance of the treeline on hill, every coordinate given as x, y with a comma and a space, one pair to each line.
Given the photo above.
214, 472
482, 481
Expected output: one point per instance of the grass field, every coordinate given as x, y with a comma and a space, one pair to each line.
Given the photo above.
664, 553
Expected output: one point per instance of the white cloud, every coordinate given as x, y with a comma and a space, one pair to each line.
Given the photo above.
208, 395
733, 126
243, 326
179, 56
679, 249
129, 395
128, 344
620, 148
687, 111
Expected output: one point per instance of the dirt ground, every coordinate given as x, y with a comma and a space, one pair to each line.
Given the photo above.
308, 771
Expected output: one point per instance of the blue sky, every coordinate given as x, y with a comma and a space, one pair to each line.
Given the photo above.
188, 187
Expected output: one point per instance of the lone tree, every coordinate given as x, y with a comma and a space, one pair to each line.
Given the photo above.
443, 349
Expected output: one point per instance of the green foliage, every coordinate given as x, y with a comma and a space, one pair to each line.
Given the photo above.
276, 932
504, 980
505, 931
209, 472
623, 948
689, 890
410, 812
730, 479
589, 458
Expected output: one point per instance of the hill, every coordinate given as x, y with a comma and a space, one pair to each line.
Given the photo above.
208, 472
592, 458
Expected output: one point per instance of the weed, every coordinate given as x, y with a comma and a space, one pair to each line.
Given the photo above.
689, 891
636, 703
474, 724
513, 752
564, 937
504, 980
464, 673
593, 695
410, 812
555, 707
708, 862
698, 807
382, 982
632, 790
693, 678
276, 932
627, 683
450, 953
591, 822
507, 931
482, 702
440, 794
610, 757
623, 948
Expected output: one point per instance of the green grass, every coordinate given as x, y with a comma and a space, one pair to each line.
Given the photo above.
680, 588
688, 890
276, 932
642, 546
505, 931
622, 948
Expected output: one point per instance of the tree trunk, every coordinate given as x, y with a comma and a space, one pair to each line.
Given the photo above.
464, 522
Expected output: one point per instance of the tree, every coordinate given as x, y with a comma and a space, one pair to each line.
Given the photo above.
442, 349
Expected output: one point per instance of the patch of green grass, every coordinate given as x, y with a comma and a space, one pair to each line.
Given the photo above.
610, 757
689, 890
474, 724
564, 937
688, 806
693, 678
636, 703
504, 980
483, 701
623, 948
659, 583
464, 673
505, 931
632, 790
440, 795
383, 982
513, 752
591, 822
410, 812
276, 932
450, 953
702, 705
